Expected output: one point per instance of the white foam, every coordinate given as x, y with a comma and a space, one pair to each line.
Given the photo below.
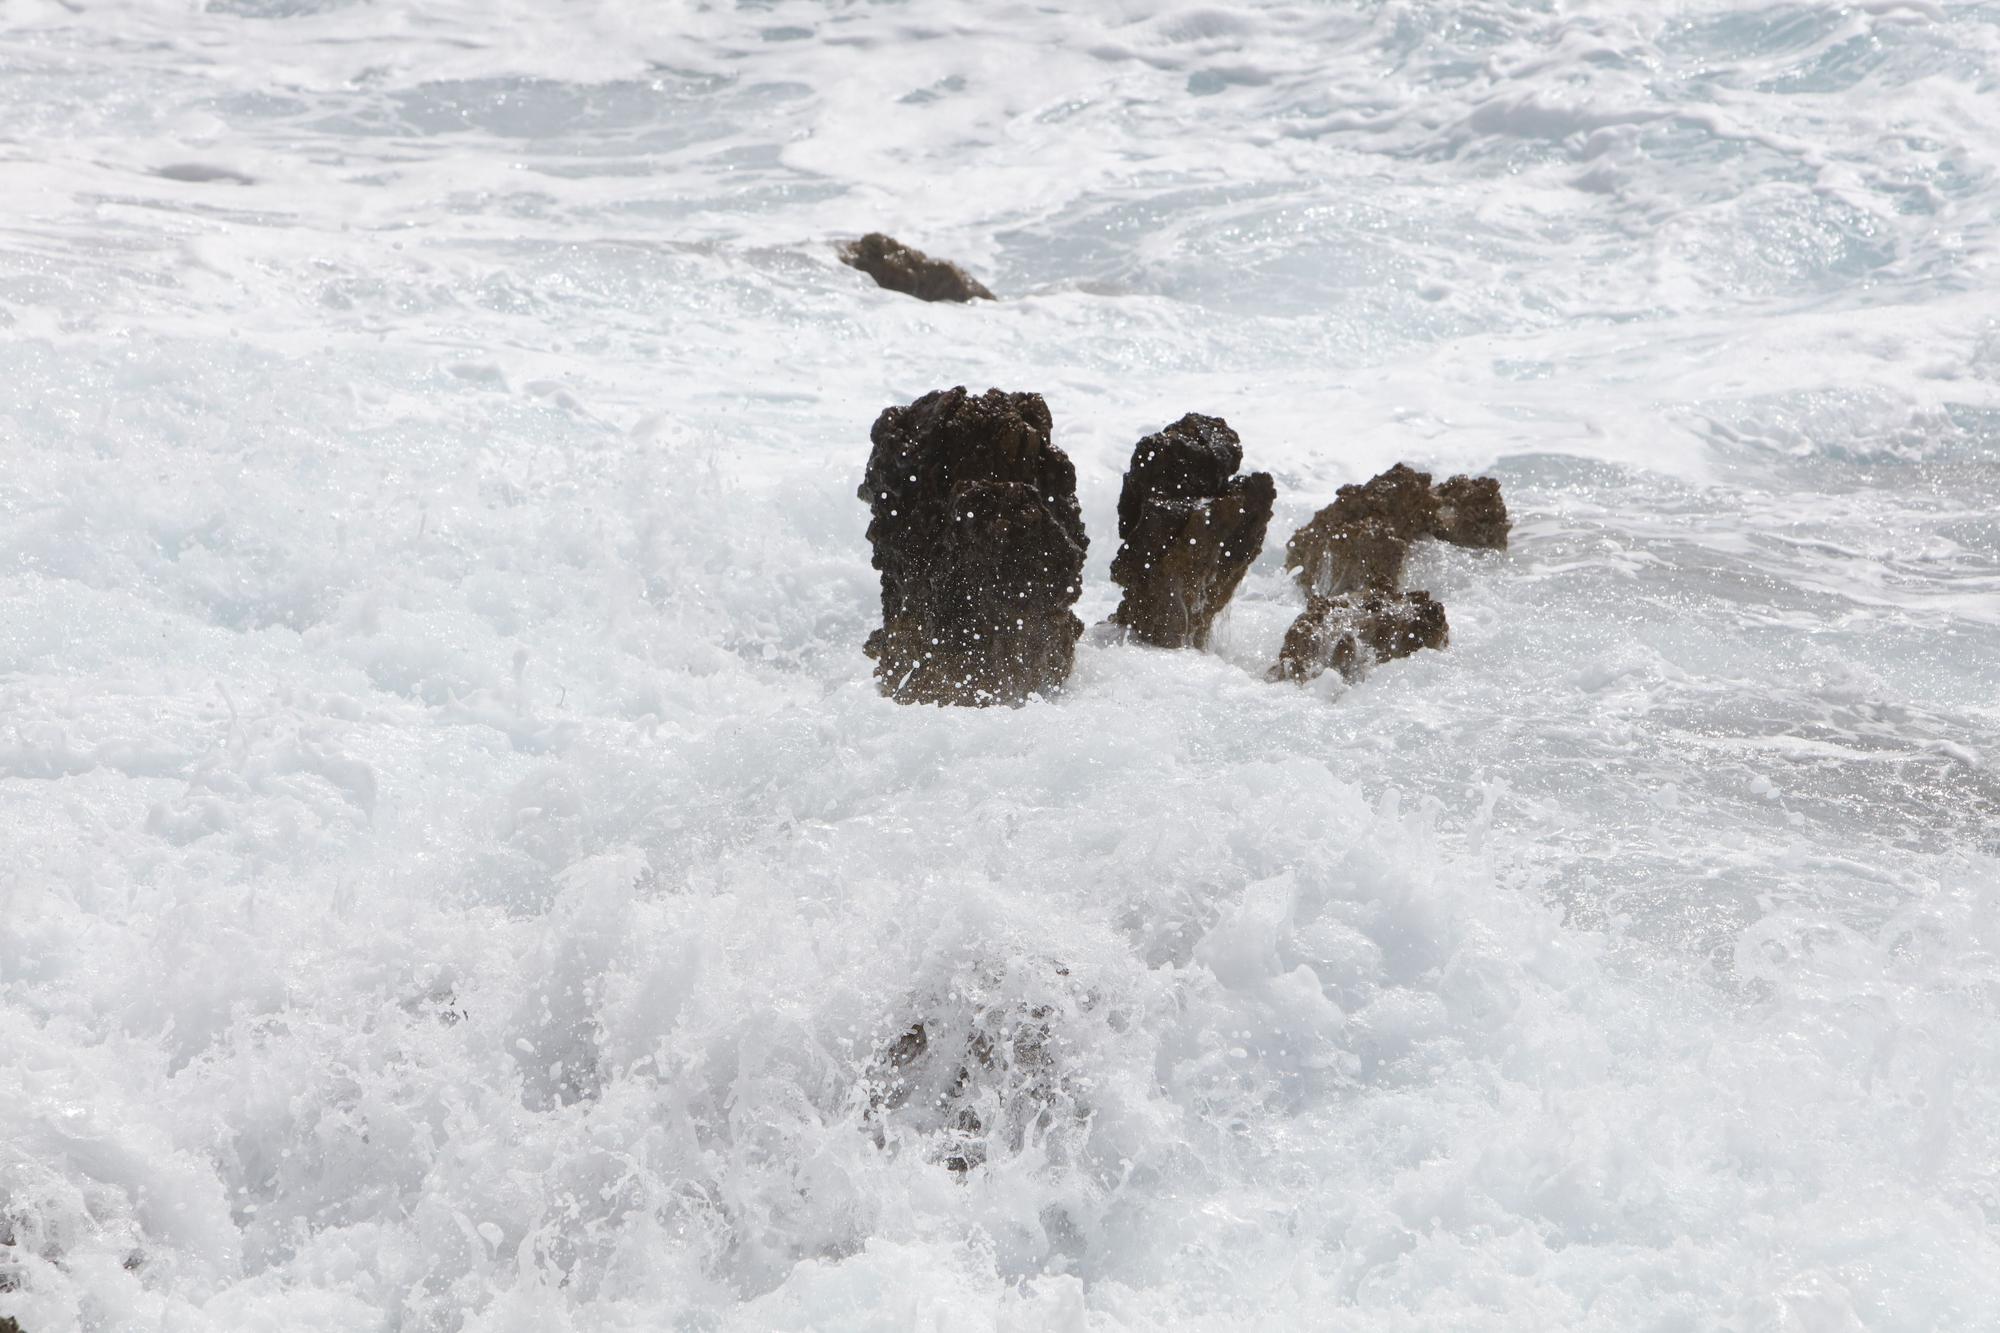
459, 874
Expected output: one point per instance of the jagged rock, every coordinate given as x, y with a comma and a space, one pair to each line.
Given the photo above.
1364, 556
1471, 513
901, 269
1188, 531
1351, 632
1360, 541
980, 542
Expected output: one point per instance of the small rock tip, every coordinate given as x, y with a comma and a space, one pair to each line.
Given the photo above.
901, 268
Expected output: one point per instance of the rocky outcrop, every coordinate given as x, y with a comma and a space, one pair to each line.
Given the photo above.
1359, 542
980, 543
1350, 559
1188, 530
901, 269
1352, 632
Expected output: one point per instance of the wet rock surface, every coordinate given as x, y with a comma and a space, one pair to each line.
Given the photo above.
1188, 530
980, 543
1350, 558
1470, 512
900, 268
1350, 633
1359, 542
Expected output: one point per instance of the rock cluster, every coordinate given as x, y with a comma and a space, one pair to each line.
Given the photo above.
980, 542
1350, 558
901, 269
1188, 531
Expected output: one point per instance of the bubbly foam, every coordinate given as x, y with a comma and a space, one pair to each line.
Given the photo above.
460, 874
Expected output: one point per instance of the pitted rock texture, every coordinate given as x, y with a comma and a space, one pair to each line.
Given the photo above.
1359, 542
901, 269
1351, 632
1470, 512
980, 542
1188, 529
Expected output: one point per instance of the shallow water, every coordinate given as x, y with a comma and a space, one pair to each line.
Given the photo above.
458, 873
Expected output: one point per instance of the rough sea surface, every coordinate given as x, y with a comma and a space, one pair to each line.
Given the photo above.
457, 873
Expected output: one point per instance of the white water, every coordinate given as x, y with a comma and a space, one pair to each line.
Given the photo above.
456, 873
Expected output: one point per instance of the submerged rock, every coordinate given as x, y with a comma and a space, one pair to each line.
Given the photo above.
947, 1087
901, 269
982, 1074
1352, 632
980, 541
29, 1241
200, 173
1188, 530
1359, 542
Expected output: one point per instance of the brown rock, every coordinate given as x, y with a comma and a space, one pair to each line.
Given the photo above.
1353, 544
1352, 632
980, 541
1188, 531
901, 269
1470, 512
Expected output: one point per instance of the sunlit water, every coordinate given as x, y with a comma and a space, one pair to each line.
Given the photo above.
456, 872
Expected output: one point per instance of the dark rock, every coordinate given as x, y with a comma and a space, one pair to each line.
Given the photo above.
1367, 556
1188, 531
1352, 632
900, 269
980, 542
1359, 542
1471, 513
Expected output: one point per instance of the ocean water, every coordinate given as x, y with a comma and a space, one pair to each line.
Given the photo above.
456, 872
